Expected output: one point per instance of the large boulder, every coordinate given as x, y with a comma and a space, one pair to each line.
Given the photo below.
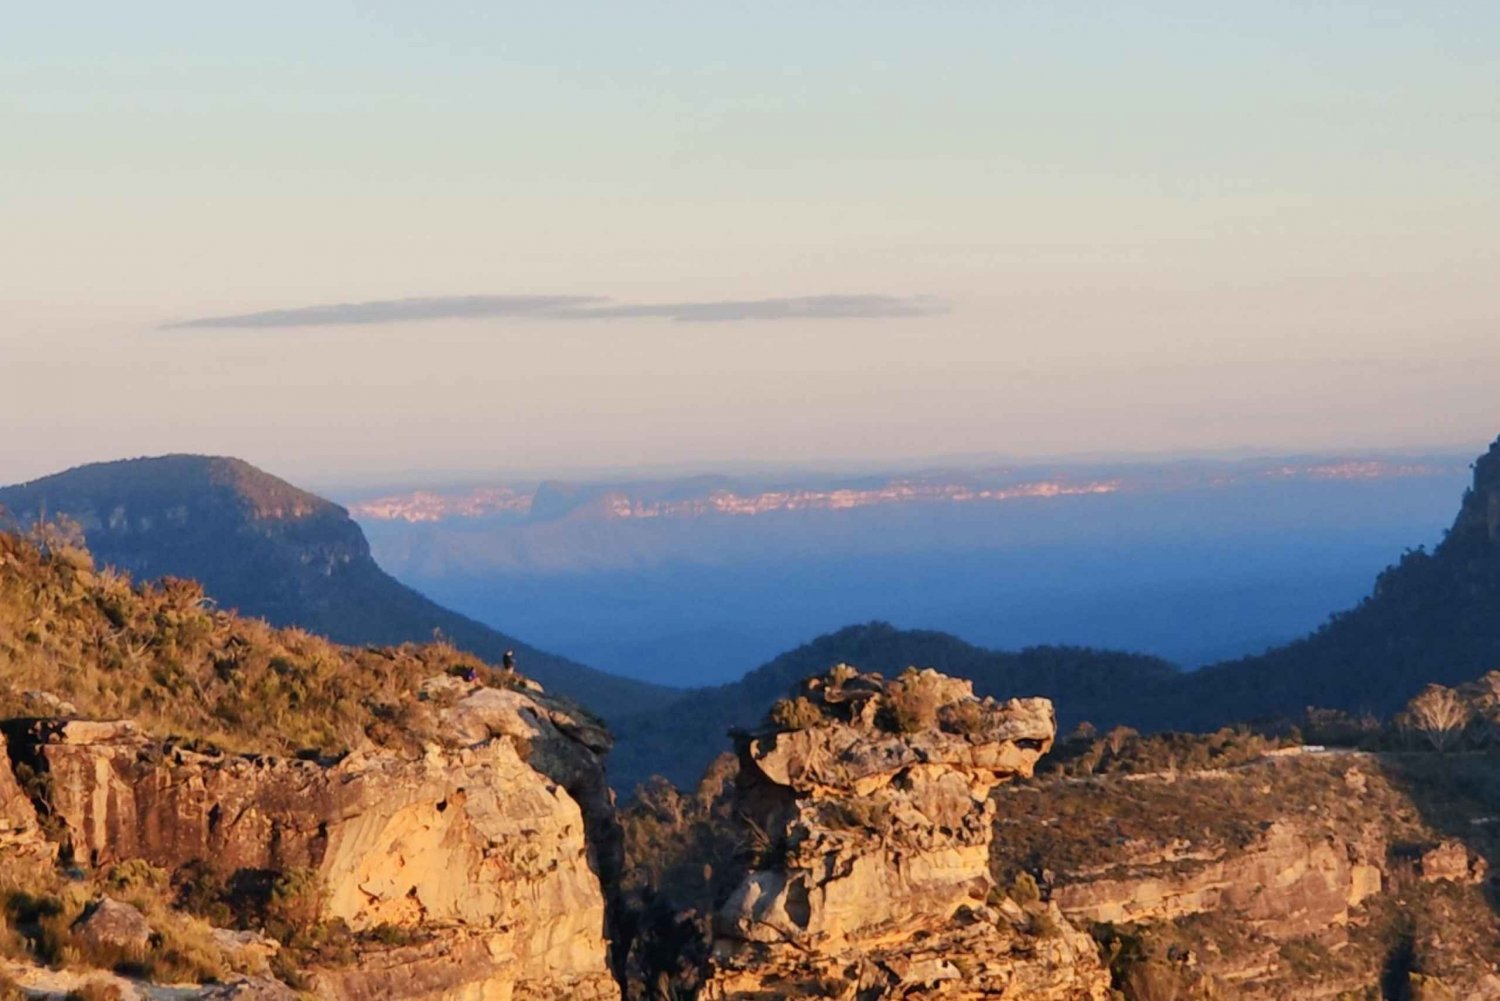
110, 924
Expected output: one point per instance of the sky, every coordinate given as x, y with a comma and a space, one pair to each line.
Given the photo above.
370, 239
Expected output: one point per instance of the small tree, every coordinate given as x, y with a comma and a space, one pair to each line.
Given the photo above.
1439, 715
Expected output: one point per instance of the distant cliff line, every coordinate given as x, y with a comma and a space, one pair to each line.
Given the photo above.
685, 499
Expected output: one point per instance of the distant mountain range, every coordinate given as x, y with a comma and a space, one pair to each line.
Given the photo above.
268, 549
706, 496
694, 581
1432, 617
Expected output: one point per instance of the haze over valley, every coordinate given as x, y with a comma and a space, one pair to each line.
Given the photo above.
692, 581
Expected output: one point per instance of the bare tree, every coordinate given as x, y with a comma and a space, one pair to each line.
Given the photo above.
1439, 715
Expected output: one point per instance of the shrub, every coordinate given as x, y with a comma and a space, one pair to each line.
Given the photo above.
1044, 923
162, 655
963, 717
796, 714
913, 702
201, 890
135, 876
1024, 890
295, 905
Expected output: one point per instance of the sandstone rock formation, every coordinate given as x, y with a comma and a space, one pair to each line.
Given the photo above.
1288, 882
479, 843
874, 823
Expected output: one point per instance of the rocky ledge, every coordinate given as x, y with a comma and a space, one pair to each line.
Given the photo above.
488, 848
867, 803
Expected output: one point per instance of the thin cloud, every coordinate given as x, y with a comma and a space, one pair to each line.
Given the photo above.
575, 307
450, 307
813, 307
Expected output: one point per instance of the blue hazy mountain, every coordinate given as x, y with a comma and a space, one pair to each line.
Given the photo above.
695, 581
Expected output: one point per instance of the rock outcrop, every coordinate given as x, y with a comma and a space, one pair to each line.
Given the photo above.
483, 844
1303, 875
870, 802
1289, 882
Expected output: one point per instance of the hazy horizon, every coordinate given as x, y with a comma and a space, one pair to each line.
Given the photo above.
348, 485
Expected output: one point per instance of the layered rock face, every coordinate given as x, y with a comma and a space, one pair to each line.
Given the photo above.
1294, 876
874, 823
1287, 883
479, 843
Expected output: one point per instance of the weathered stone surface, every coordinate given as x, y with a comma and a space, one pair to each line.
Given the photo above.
1451, 861
1288, 883
874, 874
112, 924
469, 839
249, 949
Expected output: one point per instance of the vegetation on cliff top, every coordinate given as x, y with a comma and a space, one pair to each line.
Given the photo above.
161, 654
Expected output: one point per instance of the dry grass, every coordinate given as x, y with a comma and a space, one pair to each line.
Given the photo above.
160, 654
41, 907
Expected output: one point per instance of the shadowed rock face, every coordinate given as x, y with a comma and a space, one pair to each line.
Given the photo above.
20, 832
874, 875
470, 841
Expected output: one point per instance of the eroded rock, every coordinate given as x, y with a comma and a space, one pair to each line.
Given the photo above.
1451, 861
873, 821
478, 841
1288, 883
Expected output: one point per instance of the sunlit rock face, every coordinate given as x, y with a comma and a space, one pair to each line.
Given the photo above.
478, 843
874, 820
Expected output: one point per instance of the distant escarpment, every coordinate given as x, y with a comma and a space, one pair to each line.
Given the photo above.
266, 548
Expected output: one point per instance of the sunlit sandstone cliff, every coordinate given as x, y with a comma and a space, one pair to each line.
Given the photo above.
481, 846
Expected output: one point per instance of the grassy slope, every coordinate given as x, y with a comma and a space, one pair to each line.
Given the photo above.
159, 654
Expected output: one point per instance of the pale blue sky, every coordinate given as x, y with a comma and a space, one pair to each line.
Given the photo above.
1134, 227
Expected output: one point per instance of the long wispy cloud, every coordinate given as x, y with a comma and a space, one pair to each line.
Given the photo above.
575, 307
